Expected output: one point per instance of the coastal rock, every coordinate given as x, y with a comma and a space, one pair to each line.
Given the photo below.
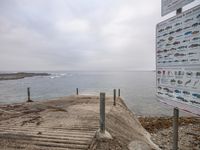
20, 75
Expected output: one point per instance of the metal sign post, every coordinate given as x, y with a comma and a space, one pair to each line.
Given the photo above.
175, 129
176, 113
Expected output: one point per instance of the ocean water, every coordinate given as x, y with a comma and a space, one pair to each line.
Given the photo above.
137, 88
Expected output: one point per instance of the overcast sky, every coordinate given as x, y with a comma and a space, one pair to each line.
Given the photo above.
78, 34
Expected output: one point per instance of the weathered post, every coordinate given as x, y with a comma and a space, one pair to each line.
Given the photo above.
102, 133
175, 129
102, 112
76, 91
28, 93
114, 97
118, 92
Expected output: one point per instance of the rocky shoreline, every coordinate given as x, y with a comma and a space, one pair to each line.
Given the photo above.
161, 131
20, 75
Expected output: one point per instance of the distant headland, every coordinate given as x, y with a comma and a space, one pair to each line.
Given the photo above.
20, 75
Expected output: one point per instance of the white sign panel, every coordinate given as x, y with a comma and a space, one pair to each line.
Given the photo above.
171, 5
178, 60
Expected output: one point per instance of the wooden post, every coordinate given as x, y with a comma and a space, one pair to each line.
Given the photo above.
28, 93
102, 112
76, 91
175, 129
114, 97
118, 92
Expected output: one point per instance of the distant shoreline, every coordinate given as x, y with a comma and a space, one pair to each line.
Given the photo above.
20, 75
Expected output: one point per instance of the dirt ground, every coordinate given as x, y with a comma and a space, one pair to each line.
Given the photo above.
161, 131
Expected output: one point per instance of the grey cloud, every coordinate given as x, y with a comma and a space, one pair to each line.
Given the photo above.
78, 35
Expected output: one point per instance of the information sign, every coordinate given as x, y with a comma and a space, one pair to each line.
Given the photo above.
178, 60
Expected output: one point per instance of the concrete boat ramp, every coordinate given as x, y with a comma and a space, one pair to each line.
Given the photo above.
70, 123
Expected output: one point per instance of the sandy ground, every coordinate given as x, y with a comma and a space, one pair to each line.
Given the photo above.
70, 123
161, 131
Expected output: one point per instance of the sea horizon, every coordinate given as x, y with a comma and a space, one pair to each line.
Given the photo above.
137, 88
